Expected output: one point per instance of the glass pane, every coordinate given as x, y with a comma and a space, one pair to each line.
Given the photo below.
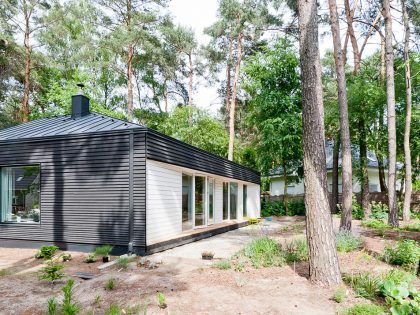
225, 201
233, 200
245, 201
211, 199
187, 214
200, 190
20, 194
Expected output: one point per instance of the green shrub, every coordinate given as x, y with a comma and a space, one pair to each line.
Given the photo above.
122, 262
277, 208
110, 284
347, 242
339, 294
161, 298
51, 272
376, 224
66, 257
296, 250
413, 227
405, 253
398, 276
356, 209
69, 307
51, 306
222, 264
114, 309
379, 211
46, 252
364, 284
103, 250
363, 309
90, 258
403, 299
264, 252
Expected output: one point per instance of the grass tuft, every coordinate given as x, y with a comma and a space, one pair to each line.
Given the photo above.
222, 264
264, 252
347, 242
339, 294
363, 309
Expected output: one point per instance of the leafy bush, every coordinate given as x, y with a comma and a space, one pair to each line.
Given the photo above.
376, 224
161, 298
51, 271
122, 262
414, 227
66, 257
357, 210
264, 252
296, 250
403, 299
222, 264
110, 284
90, 258
379, 211
46, 252
103, 250
347, 242
364, 284
69, 307
277, 208
339, 294
405, 253
398, 276
363, 309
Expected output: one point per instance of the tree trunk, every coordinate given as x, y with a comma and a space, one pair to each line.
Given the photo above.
353, 39
285, 196
346, 215
190, 77
130, 55
364, 185
381, 170
323, 261
335, 174
26, 81
407, 153
228, 78
390, 100
233, 101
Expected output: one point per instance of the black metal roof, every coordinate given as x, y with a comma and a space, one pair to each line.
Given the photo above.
65, 125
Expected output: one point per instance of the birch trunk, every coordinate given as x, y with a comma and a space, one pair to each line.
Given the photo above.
407, 153
346, 215
390, 99
323, 261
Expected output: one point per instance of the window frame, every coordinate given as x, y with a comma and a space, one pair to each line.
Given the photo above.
32, 224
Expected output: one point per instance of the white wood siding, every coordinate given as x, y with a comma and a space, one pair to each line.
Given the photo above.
253, 202
164, 202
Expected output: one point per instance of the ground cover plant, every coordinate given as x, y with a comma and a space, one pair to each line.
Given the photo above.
52, 271
405, 253
277, 208
222, 264
347, 242
363, 309
295, 250
264, 252
46, 252
339, 294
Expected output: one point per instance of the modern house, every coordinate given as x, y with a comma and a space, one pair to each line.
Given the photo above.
87, 179
296, 187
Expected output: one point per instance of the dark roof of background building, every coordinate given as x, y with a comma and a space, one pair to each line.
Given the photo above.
65, 125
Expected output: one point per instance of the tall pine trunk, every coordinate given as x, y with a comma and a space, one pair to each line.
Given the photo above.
346, 215
335, 174
130, 82
390, 99
233, 101
407, 153
27, 76
364, 185
353, 39
228, 78
323, 261
285, 195
190, 78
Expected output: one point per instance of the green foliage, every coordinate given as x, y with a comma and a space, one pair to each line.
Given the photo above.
413, 227
90, 258
51, 272
122, 262
379, 211
113, 309
398, 277
222, 264
110, 284
103, 250
405, 253
347, 242
51, 307
161, 298
296, 250
277, 208
264, 252
357, 210
365, 284
376, 224
339, 294
46, 252
403, 299
363, 309
69, 307
66, 257
98, 301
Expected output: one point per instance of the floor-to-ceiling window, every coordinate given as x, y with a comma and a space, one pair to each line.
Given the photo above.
200, 204
233, 201
225, 201
20, 194
187, 202
210, 193
244, 200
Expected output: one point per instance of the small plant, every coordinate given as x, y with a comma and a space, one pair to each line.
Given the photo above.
339, 294
379, 211
51, 272
90, 258
207, 255
51, 306
363, 309
161, 298
98, 301
347, 242
5, 272
405, 253
104, 252
365, 285
69, 307
376, 224
264, 252
110, 284
222, 264
66, 257
296, 250
46, 252
122, 262
239, 266
413, 227
113, 309
402, 299
398, 276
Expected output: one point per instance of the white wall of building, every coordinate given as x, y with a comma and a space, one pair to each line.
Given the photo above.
164, 199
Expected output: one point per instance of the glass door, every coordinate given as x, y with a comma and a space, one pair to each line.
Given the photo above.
233, 200
210, 202
187, 202
200, 200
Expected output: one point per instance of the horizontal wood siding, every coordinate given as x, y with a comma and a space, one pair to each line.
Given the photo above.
253, 201
84, 188
169, 150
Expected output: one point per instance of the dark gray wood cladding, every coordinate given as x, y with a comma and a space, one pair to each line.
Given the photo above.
93, 184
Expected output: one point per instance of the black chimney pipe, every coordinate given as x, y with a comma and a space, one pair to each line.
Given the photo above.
79, 104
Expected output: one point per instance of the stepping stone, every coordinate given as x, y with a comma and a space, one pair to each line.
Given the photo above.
85, 275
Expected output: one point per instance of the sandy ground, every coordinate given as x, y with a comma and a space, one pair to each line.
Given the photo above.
191, 285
